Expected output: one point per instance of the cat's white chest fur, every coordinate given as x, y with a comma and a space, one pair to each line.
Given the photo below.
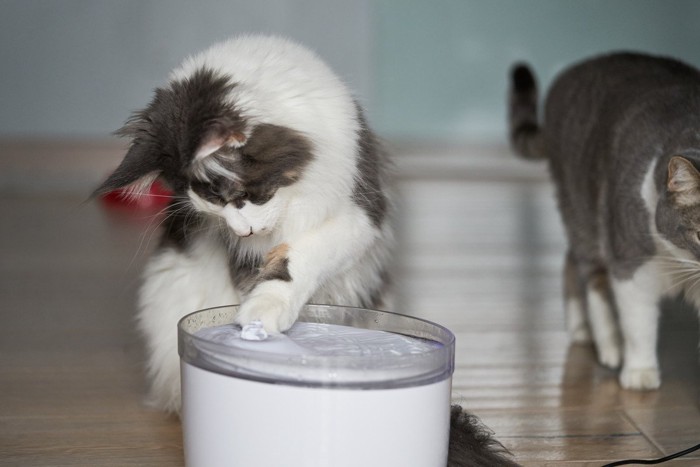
673, 270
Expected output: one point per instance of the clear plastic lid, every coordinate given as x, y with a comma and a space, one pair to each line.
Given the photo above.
330, 346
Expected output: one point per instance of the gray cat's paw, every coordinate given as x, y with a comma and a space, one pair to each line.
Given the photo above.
273, 310
640, 378
610, 355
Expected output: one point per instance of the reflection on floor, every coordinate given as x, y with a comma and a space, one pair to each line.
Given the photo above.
481, 253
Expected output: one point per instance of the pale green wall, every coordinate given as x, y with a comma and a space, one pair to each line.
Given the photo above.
77, 68
441, 65
424, 69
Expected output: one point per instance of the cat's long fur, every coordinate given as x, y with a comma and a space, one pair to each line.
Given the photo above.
621, 133
472, 444
282, 196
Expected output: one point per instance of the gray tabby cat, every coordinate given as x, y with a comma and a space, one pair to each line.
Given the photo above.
622, 136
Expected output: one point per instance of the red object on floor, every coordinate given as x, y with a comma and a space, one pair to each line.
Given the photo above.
157, 197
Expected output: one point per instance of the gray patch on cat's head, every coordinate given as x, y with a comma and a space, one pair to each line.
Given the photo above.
369, 190
166, 134
273, 157
678, 208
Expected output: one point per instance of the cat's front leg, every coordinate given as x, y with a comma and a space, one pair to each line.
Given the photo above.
293, 272
272, 298
637, 300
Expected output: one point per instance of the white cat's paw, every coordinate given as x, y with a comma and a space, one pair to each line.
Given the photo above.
275, 312
610, 355
640, 378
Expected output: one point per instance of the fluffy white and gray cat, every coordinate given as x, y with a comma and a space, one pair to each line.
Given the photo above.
281, 194
622, 136
282, 197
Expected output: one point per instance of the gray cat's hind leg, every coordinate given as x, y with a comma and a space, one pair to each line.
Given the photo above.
603, 320
575, 302
590, 309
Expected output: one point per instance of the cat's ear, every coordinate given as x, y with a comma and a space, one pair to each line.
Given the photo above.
683, 180
135, 174
217, 134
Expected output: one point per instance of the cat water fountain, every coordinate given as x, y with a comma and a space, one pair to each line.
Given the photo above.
344, 387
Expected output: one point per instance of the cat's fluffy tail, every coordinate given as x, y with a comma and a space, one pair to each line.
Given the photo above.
525, 132
472, 444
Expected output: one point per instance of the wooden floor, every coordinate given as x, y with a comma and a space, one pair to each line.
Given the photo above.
482, 250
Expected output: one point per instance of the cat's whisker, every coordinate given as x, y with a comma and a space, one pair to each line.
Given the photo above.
677, 272
680, 272
674, 265
166, 213
152, 195
683, 281
163, 214
679, 264
696, 283
668, 259
145, 237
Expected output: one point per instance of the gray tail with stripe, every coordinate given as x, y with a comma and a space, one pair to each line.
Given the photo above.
525, 132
